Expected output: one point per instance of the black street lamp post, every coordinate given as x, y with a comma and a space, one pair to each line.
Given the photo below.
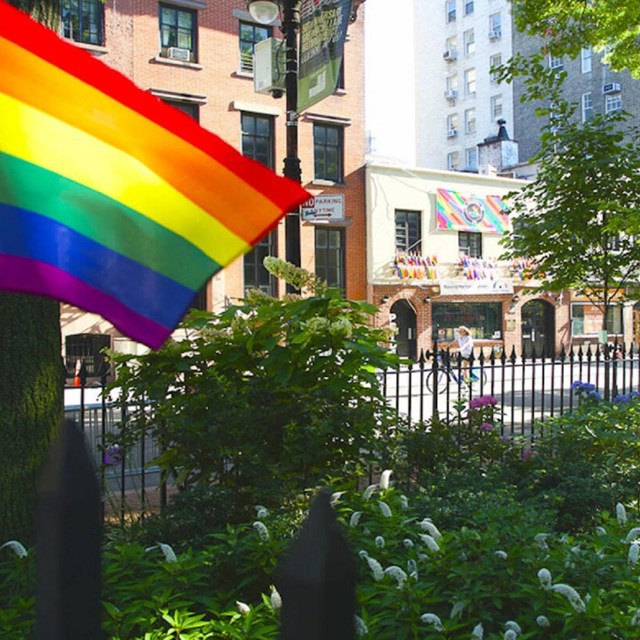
265, 12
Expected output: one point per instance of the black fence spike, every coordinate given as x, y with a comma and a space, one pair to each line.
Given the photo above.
563, 353
317, 580
68, 543
512, 357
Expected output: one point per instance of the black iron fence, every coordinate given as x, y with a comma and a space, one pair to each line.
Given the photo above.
528, 389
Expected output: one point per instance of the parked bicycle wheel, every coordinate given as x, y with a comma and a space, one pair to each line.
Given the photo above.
442, 381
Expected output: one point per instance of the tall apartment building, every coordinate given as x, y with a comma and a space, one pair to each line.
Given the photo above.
458, 100
196, 55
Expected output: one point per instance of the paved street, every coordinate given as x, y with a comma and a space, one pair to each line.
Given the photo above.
525, 392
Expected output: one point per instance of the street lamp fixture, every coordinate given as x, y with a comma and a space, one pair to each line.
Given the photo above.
263, 11
266, 12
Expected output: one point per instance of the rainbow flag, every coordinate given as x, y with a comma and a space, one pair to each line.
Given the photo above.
111, 200
455, 211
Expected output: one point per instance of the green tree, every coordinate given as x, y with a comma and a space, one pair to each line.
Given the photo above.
267, 397
30, 383
569, 25
578, 220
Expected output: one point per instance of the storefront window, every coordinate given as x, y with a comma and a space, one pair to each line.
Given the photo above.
586, 320
484, 320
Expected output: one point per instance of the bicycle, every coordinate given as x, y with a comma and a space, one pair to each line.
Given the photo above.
445, 375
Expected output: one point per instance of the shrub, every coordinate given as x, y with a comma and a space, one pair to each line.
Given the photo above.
267, 397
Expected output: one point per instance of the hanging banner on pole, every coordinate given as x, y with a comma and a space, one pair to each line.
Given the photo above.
323, 29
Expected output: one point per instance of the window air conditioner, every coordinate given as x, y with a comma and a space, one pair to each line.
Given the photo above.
450, 94
176, 53
495, 35
450, 55
452, 133
611, 87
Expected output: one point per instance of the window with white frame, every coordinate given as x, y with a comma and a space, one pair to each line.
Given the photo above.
496, 107
453, 161
452, 87
494, 62
451, 43
556, 63
587, 106
469, 40
250, 34
586, 319
470, 82
452, 125
495, 26
471, 158
470, 121
613, 103
585, 59
178, 33
450, 10
468, 7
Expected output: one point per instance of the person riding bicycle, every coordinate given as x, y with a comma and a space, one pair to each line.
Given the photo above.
464, 340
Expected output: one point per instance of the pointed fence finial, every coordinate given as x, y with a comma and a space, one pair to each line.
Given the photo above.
317, 580
68, 543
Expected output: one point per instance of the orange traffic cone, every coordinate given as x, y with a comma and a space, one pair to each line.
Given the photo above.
77, 382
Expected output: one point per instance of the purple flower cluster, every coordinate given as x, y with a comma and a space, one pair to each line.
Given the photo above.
486, 426
586, 389
112, 456
626, 397
482, 401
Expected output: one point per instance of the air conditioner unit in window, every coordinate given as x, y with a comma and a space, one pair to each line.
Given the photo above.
611, 87
450, 94
452, 133
495, 35
269, 66
176, 53
450, 55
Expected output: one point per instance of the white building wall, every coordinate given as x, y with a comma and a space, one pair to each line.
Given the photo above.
431, 71
392, 188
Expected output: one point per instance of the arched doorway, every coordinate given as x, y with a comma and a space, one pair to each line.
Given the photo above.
405, 321
538, 328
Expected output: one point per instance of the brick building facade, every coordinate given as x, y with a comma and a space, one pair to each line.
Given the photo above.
197, 56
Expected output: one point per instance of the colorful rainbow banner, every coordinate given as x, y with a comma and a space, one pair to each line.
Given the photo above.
111, 200
456, 212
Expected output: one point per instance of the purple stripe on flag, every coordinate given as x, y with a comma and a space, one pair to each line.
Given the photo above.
22, 275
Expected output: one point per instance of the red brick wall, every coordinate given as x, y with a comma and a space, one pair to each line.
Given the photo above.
132, 42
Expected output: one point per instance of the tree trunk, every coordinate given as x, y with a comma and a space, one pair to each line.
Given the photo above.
31, 404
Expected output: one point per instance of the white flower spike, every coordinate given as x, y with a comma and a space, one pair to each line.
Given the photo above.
430, 541
263, 532
385, 510
634, 552
544, 575
571, 595
243, 608
432, 618
166, 549
376, 568
478, 632
514, 626
430, 528
543, 622
397, 574
276, 599
621, 514
361, 627
16, 547
384, 479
